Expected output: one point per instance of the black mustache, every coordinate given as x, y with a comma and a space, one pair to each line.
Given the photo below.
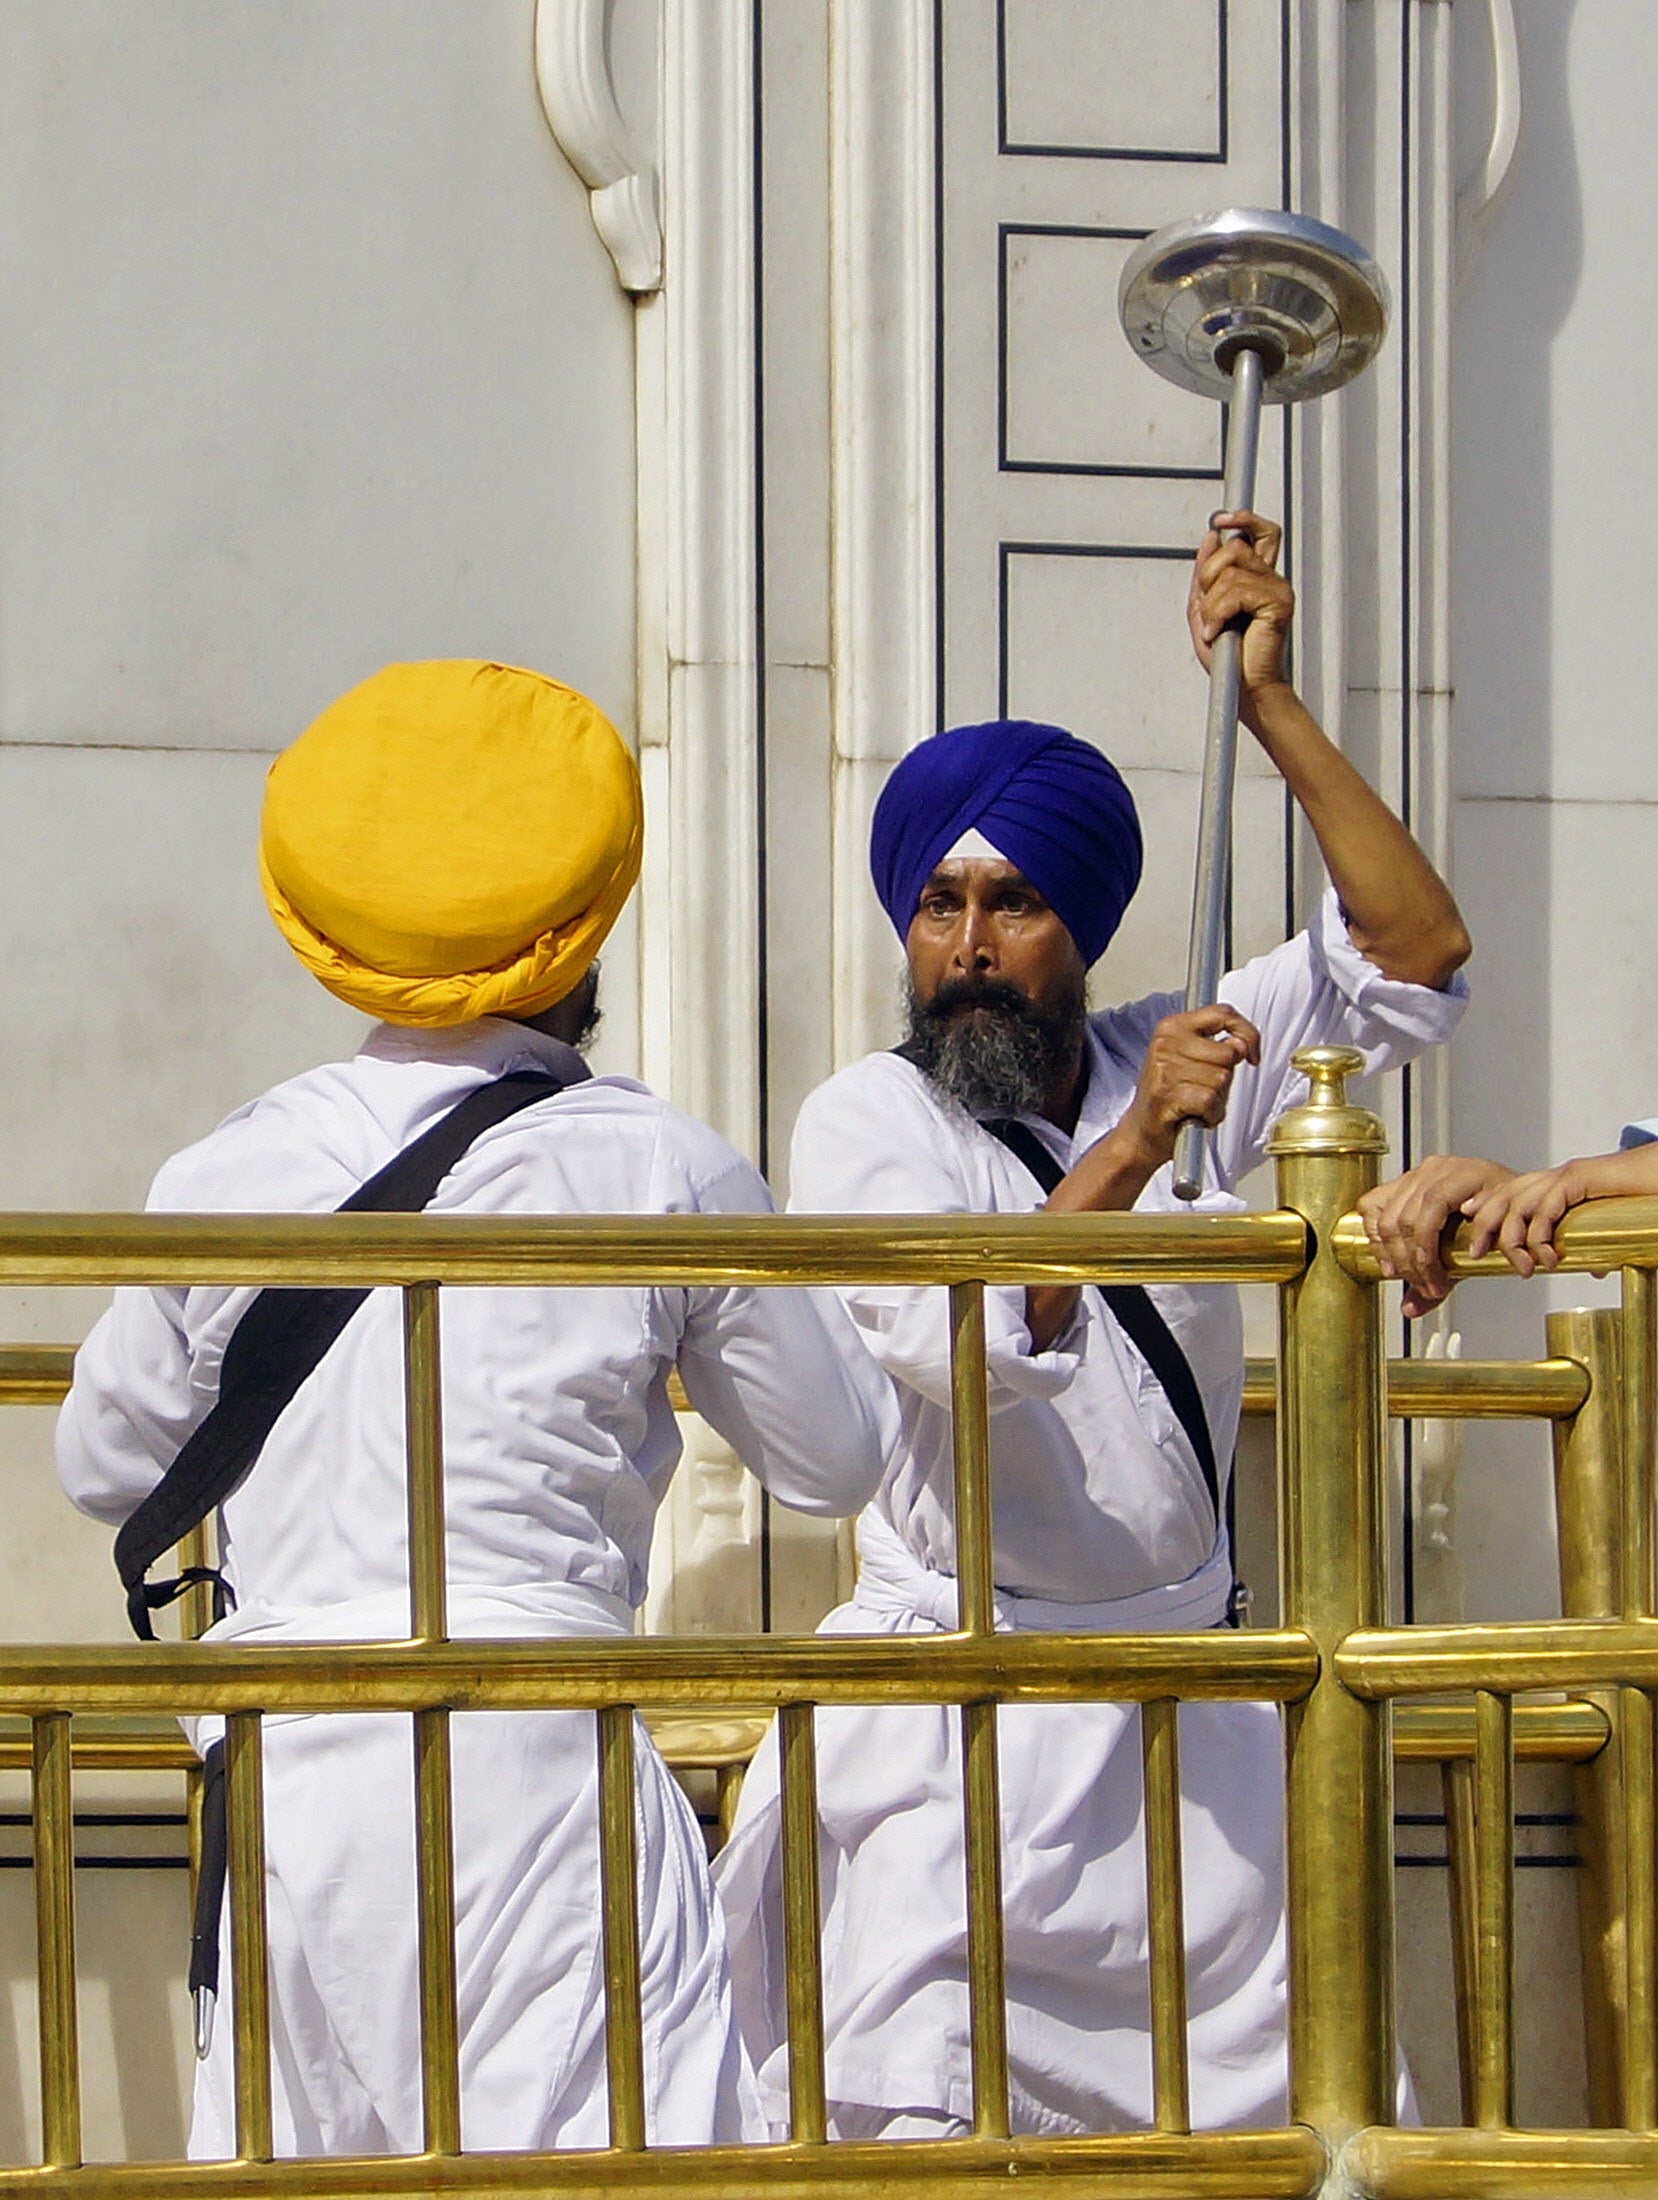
995, 994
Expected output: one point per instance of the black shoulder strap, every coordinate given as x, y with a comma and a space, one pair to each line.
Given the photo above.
282, 1337
1136, 1312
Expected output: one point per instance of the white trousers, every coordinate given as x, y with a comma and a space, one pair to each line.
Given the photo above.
340, 1884
1073, 1860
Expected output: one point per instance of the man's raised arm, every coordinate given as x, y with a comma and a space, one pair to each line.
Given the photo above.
1399, 911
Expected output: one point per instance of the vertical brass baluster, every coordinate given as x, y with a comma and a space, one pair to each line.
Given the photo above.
434, 1782
619, 1881
52, 1798
1165, 1913
1640, 1366
728, 1793
423, 1410
1640, 1369
981, 1794
986, 1961
196, 1604
802, 1924
1333, 1520
970, 1435
1494, 1875
195, 1617
1588, 1484
249, 1940
435, 1889
1462, 1874
1640, 1816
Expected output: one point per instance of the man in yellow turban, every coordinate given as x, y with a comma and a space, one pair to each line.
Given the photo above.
446, 847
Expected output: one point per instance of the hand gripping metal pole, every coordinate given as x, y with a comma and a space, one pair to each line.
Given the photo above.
1252, 307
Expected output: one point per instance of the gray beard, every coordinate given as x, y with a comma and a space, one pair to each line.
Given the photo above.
1002, 1061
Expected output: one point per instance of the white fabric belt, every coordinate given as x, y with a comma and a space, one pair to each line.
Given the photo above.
549, 1608
892, 1580
545, 1609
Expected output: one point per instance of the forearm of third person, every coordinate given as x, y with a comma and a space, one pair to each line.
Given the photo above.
1108, 1179
1398, 909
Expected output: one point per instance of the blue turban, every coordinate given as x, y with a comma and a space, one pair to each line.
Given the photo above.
1054, 806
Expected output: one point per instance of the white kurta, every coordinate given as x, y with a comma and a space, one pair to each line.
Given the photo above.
559, 1442
1101, 1519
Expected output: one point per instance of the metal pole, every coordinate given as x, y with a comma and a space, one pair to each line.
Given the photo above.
1220, 754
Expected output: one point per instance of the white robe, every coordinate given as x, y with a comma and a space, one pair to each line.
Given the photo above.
1101, 1520
559, 1444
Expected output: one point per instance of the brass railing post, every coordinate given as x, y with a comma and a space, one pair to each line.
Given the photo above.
1588, 1503
981, 1786
53, 1811
433, 1766
1333, 1525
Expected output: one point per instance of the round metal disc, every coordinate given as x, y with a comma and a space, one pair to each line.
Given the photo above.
1305, 296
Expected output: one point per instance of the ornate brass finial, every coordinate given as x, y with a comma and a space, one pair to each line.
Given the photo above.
1326, 1122
1327, 1070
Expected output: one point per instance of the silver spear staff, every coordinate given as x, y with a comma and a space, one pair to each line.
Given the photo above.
1251, 307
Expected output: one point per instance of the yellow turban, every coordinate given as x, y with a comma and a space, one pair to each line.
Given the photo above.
451, 840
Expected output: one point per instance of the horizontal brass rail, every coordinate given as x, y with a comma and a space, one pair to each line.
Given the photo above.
35, 1374
1450, 1390
1140, 2165
1544, 1733
1455, 1390
1519, 1655
1565, 1733
113, 1744
1499, 2165
105, 1743
1601, 1234
703, 1674
666, 1249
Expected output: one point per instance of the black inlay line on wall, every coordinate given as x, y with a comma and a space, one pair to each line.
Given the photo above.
1407, 728
119, 1818
1286, 194
1184, 155
1521, 1863
105, 1863
1007, 465
763, 1009
1521, 1818
940, 707
1006, 552
758, 309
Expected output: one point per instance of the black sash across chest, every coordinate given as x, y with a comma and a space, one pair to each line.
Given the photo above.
1135, 1312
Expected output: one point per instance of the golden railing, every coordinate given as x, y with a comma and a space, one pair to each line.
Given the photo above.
1334, 1664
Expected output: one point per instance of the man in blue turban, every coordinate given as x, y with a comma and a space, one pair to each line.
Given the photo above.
1005, 855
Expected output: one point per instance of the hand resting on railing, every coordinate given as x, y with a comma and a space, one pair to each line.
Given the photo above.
1516, 1213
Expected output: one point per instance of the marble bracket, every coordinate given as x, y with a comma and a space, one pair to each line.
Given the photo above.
574, 76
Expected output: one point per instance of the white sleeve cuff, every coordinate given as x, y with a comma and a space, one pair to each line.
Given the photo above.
1015, 1371
1418, 1015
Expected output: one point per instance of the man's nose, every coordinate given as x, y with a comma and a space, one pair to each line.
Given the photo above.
975, 944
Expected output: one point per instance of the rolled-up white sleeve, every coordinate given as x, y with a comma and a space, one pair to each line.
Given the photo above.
784, 1377
880, 1151
1318, 990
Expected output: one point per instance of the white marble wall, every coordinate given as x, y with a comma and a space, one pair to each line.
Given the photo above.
1555, 774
